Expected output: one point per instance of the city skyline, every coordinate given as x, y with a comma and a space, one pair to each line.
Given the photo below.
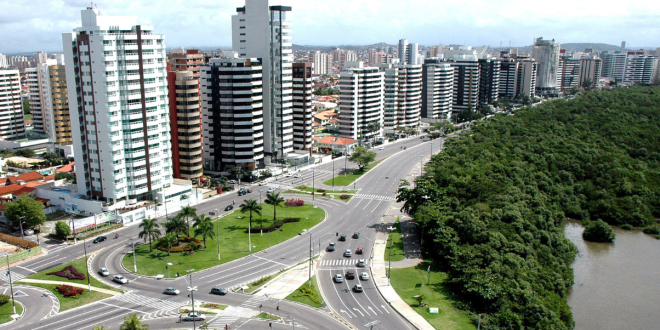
206, 24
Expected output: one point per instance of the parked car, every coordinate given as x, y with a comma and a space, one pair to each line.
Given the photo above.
331, 247
338, 278
262, 183
381, 148
342, 238
288, 175
241, 192
358, 288
348, 253
220, 291
171, 290
297, 175
231, 181
229, 207
100, 239
28, 232
359, 250
194, 316
356, 235
364, 276
104, 272
350, 275
422, 137
271, 190
120, 279
361, 263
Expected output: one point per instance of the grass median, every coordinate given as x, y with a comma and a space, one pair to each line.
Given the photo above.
7, 310
351, 176
395, 243
410, 282
233, 241
306, 295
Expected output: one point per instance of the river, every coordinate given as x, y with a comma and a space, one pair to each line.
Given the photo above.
617, 285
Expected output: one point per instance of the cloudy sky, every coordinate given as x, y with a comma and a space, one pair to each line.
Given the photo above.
32, 25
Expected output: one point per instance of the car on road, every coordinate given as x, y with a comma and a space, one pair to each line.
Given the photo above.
338, 278
288, 175
231, 181
422, 137
361, 263
262, 183
356, 235
194, 316
229, 207
364, 276
331, 246
271, 190
218, 290
348, 253
104, 272
28, 232
171, 290
358, 288
342, 237
120, 279
241, 192
381, 148
100, 239
350, 275
297, 175
359, 250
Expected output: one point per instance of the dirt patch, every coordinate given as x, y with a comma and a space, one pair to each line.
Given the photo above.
8, 248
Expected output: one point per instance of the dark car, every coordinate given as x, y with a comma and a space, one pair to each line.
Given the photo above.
219, 291
342, 238
100, 239
350, 275
331, 247
359, 250
241, 192
356, 235
229, 207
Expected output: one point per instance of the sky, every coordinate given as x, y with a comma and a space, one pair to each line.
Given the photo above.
33, 25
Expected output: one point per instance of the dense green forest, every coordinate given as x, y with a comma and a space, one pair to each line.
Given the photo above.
491, 206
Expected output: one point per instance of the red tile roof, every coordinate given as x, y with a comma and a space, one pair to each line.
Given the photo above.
336, 140
67, 168
3, 181
27, 177
34, 183
23, 190
9, 189
49, 178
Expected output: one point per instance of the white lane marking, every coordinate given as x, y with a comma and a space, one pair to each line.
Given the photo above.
46, 260
385, 309
29, 270
228, 269
371, 200
77, 316
237, 278
272, 261
353, 295
342, 301
130, 309
376, 206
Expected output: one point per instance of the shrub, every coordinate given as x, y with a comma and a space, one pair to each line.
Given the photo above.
62, 230
652, 230
4, 299
320, 190
598, 231
344, 196
178, 247
295, 202
69, 291
324, 194
627, 227
69, 272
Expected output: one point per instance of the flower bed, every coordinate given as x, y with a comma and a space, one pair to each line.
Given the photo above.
69, 291
295, 202
178, 247
69, 272
276, 224
344, 196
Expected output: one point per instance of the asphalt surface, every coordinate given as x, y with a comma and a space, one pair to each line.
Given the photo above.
362, 214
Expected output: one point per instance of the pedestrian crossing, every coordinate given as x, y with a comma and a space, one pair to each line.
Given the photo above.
15, 276
161, 314
138, 299
254, 302
220, 321
378, 197
341, 262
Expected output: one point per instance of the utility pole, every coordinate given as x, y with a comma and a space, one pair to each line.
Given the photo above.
89, 286
11, 287
389, 268
134, 261
345, 158
217, 232
313, 186
261, 216
310, 260
333, 175
192, 290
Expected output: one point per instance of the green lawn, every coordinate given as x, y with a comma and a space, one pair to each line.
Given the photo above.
267, 316
309, 189
260, 282
398, 253
7, 310
306, 299
69, 302
409, 282
79, 264
233, 241
351, 176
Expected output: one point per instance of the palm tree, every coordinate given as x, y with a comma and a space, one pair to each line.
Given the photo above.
102, 327
149, 231
251, 206
133, 322
188, 212
204, 227
275, 200
176, 225
169, 240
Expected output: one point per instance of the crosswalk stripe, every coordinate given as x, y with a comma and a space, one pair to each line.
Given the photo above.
341, 262
141, 300
15, 276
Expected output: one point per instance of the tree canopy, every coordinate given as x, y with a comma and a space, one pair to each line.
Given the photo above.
362, 157
25, 207
502, 191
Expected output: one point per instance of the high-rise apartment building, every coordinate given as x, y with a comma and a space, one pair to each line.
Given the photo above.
590, 70
40, 58
12, 121
361, 101
302, 106
33, 79
508, 78
233, 106
614, 65
3, 61
570, 73
466, 82
655, 76
408, 53
489, 80
437, 89
185, 113
320, 63
263, 31
546, 54
403, 96
403, 50
526, 80
116, 73
638, 69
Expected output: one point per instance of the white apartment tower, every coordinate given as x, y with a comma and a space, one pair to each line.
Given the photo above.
263, 31
12, 121
118, 98
408, 53
638, 69
403, 96
467, 79
546, 54
360, 101
233, 114
437, 89
320, 63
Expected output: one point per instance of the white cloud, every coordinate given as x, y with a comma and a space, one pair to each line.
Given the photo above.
31, 25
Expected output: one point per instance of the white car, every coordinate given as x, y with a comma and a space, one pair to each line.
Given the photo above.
171, 290
104, 272
381, 148
194, 316
231, 181
361, 263
270, 190
339, 278
364, 276
262, 183
297, 175
120, 279
287, 175
348, 253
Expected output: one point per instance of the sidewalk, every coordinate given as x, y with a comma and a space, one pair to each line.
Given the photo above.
286, 283
84, 286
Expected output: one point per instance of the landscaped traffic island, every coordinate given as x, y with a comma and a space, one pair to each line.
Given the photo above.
233, 237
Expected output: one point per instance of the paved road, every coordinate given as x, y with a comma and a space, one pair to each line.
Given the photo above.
360, 214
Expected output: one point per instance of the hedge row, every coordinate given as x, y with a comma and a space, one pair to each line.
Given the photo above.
275, 225
176, 248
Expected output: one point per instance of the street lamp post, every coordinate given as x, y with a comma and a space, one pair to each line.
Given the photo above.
310, 259
313, 186
89, 285
192, 290
261, 216
11, 287
333, 175
421, 165
134, 262
389, 268
345, 167
217, 232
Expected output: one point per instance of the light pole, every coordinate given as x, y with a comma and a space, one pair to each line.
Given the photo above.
261, 216
192, 290
217, 232
134, 262
168, 268
345, 158
11, 287
421, 165
313, 186
89, 286
389, 268
333, 175
310, 259
20, 224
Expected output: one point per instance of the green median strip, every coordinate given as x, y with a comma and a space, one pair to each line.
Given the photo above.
67, 303
7, 310
307, 295
267, 316
395, 243
351, 176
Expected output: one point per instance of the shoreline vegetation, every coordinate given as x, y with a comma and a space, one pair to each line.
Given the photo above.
499, 195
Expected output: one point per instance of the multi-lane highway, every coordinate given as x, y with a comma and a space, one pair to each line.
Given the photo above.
362, 214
